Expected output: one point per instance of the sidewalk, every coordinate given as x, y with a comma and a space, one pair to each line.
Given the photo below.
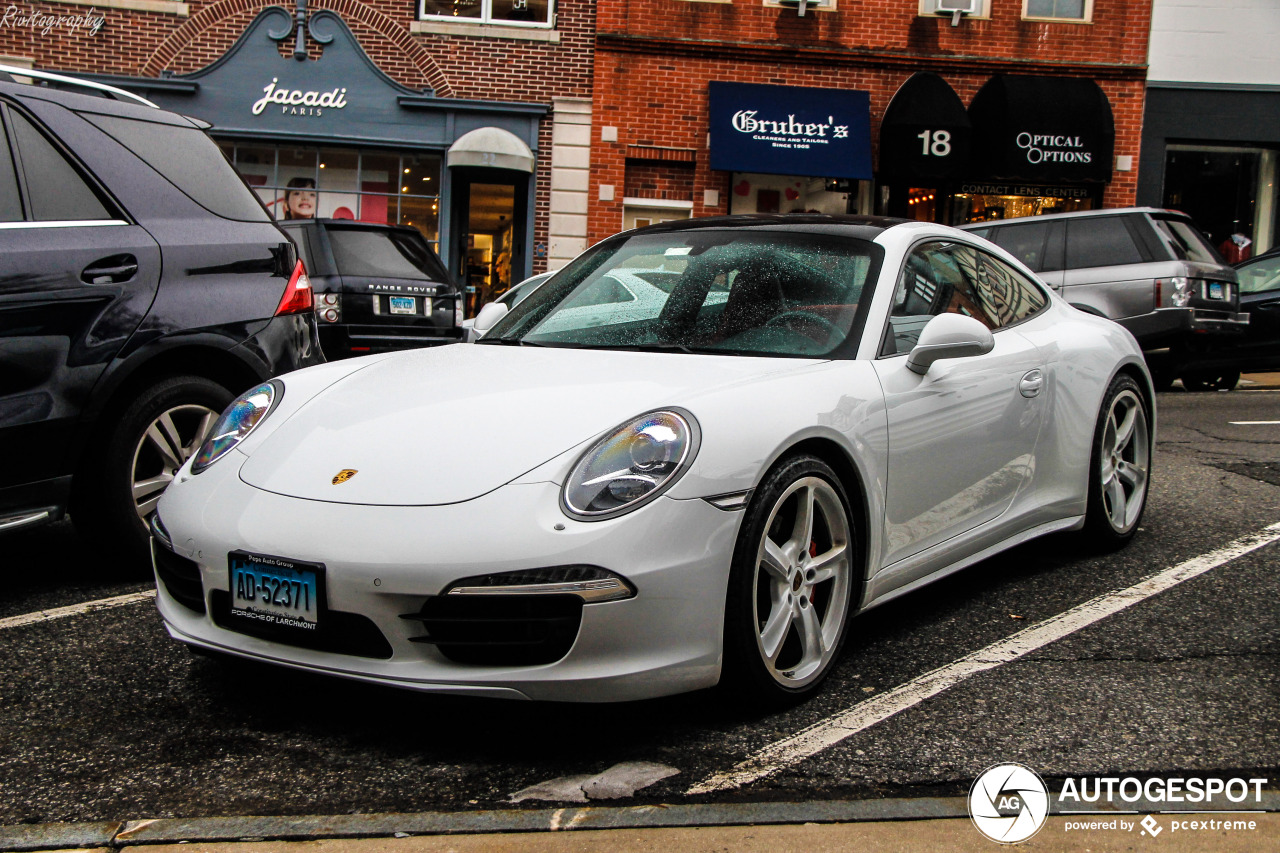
945, 834
1259, 380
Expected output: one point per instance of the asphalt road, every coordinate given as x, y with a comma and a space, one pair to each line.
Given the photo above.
103, 717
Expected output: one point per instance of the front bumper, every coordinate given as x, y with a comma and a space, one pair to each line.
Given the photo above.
340, 340
383, 562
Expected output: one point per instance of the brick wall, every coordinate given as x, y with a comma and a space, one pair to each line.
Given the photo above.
654, 59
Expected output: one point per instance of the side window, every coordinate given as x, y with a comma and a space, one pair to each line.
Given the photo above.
938, 278
189, 160
1025, 242
1261, 276
1102, 241
56, 191
1007, 294
10, 199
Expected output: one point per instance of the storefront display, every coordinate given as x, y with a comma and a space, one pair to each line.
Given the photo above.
1026, 146
332, 136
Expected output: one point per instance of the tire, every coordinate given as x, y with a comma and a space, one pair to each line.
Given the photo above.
1119, 466
139, 450
785, 623
1211, 380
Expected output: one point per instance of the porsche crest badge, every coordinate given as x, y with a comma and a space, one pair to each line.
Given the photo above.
344, 475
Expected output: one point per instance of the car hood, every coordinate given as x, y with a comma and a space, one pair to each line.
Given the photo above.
448, 424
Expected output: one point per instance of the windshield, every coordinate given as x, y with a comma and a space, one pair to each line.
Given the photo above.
726, 291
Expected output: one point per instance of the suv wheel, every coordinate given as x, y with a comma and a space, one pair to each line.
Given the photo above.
136, 457
1211, 380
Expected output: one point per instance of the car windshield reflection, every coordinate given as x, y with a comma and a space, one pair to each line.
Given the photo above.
714, 291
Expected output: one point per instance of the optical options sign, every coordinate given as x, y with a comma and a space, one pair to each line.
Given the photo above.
790, 130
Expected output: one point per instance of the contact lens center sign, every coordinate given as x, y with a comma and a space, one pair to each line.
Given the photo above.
790, 130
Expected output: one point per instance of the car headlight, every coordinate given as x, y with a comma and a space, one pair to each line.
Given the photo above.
632, 465
245, 412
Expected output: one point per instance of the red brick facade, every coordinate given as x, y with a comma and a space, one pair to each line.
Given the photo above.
138, 43
655, 58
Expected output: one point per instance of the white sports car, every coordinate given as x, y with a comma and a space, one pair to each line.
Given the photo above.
811, 416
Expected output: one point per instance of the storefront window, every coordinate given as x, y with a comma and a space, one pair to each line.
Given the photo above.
519, 12
1229, 192
337, 183
759, 193
1003, 203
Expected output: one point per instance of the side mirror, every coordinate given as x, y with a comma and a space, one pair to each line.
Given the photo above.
487, 318
949, 336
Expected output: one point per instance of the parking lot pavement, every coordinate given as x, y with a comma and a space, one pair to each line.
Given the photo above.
937, 836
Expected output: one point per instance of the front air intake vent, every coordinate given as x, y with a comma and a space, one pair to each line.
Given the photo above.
181, 578
501, 630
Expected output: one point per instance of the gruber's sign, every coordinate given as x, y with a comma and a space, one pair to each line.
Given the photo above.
790, 130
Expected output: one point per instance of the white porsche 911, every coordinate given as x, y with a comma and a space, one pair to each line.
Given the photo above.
806, 417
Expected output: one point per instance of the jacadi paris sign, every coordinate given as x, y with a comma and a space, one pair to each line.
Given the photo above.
790, 130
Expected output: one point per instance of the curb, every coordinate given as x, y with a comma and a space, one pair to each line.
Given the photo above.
121, 834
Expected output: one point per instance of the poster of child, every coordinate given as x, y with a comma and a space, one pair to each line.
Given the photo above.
299, 199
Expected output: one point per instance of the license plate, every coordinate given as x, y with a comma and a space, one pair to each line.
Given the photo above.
1217, 291
404, 305
275, 591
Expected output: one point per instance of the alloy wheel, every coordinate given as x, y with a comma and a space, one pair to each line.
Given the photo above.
169, 441
1125, 459
802, 586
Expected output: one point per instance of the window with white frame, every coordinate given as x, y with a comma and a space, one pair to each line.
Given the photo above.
1058, 10
521, 13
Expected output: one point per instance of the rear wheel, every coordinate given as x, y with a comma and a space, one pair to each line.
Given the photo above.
1211, 380
1119, 471
135, 458
791, 585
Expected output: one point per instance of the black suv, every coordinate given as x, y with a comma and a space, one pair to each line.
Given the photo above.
142, 286
378, 287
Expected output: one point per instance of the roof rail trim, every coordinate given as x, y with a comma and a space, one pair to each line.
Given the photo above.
76, 81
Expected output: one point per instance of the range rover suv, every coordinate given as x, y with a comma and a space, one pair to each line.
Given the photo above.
1150, 270
378, 287
142, 287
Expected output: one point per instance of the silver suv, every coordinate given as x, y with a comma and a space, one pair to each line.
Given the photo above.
1150, 270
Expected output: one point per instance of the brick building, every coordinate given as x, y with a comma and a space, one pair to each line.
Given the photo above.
705, 107
443, 114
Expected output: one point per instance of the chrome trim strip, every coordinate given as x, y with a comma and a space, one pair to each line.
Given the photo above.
732, 501
602, 589
75, 81
63, 223
23, 520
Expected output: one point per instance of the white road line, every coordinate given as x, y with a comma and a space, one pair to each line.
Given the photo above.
1251, 423
827, 733
76, 609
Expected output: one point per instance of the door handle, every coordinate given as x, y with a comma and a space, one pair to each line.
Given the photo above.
116, 269
1031, 383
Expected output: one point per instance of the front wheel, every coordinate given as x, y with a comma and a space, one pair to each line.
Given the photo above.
1120, 465
135, 458
791, 585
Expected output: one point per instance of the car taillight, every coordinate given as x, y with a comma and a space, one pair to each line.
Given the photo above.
297, 297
